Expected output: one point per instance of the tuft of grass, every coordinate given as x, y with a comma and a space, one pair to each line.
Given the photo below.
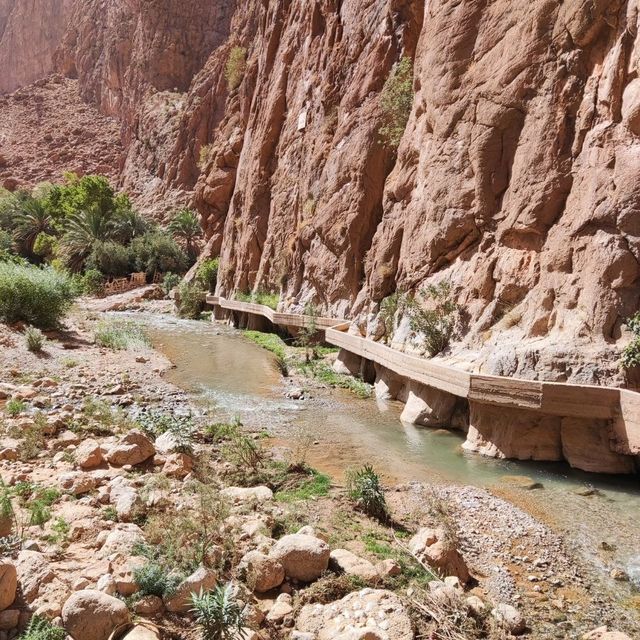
120, 335
265, 298
324, 373
154, 580
314, 487
34, 339
15, 407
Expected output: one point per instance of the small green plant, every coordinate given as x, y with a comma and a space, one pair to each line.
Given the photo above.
110, 513
235, 68
15, 407
60, 529
208, 274
324, 373
34, 339
221, 431
308, 335
170, 282
631, 354
244, 452
435, 318
218, 613
154, 580
365, 490
41, 629
119, 335
396, 101
181, 428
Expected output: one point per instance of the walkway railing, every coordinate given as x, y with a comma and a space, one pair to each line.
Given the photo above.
551, 398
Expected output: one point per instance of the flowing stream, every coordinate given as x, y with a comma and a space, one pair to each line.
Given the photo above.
222, 369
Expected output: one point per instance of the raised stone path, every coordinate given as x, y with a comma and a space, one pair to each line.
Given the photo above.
621, 406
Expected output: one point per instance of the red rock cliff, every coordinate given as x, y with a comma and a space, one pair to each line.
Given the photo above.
516, 178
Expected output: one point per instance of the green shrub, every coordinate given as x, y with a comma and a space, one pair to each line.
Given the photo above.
208, 274
181, 428
235, 68
631, 353
436, 321
158, 252
39, 297
244, 452
110, 259
190, 300
218, 613
119, 335
45, 245
364, 489
170, 282
34, 339
15, 407
154, 580
396, 101
41, 629
91, 282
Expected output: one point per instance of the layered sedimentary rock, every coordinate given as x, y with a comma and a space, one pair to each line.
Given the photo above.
516, 179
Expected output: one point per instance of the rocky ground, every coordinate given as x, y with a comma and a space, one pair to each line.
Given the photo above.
124, 499
46, 129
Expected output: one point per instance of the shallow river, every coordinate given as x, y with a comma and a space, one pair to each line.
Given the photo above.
237, 378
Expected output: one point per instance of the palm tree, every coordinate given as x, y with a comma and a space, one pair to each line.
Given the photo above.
31, 219
185, 227
83, 230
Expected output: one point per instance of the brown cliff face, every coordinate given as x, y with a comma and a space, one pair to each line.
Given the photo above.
516, 178
30, 31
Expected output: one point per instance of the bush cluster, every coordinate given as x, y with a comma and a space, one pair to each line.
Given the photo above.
37, 296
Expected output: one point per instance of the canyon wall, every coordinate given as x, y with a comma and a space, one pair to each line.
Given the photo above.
517, 178
30, 32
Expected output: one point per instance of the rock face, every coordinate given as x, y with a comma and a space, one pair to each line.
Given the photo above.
516, 177
30, 32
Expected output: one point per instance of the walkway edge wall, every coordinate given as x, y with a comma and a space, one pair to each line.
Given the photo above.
620, 407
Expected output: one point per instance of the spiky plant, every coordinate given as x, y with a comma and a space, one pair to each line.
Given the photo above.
218, 614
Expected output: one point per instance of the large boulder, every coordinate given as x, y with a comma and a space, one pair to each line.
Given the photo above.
303, 557
202, 579
436, 548
92, 615
262, 573
367, 614
133, 448
8, 583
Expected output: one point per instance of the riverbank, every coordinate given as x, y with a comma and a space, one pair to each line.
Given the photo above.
78, 397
